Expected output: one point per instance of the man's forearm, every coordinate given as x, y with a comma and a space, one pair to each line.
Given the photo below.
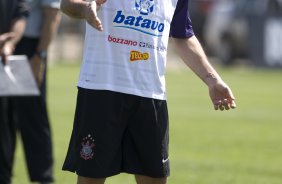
74, 8
50, 25
192, 53
17, 28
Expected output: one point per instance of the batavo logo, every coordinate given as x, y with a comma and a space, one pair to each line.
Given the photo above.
137, 56
144, 23
145, 7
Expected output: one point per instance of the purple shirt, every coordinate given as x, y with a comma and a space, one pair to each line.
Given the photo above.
181, 26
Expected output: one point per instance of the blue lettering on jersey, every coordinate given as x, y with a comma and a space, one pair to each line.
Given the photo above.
139, 23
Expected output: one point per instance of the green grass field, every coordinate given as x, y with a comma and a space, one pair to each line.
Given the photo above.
242, 146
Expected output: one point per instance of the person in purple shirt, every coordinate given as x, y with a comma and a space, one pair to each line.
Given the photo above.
119, 131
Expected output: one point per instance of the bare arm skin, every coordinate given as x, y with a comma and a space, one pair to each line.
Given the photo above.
51, 20
191, 52
50, 25
83, 10
9, 40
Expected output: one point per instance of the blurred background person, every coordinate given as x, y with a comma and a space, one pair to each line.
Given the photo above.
30, 112
199, 11
239, 29
217, 23
12, 25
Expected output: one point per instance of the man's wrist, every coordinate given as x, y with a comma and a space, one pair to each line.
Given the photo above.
87, 7
210, 79
42, 54
8, 48
11, 44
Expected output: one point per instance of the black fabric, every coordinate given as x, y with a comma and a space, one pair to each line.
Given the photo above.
11, 10
115, 132
29, 115
7, 140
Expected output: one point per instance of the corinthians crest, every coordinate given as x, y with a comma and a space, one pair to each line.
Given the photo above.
87, 151
145, 7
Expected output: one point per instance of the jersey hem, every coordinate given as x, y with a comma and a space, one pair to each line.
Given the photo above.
119, 89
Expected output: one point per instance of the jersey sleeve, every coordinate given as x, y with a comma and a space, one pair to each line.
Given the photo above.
51, 3
181, 25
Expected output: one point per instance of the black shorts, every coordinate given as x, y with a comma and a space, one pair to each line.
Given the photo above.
115, 132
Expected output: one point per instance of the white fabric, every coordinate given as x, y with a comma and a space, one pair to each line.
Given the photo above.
129, 55
34, 20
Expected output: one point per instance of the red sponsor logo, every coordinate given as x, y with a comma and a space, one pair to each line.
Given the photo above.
122, 41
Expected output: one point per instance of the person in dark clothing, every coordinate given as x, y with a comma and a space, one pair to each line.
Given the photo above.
12, 25
34, 124
29, 113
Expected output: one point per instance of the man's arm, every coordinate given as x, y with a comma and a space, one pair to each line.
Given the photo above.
191, 52
4, 38
51, 20
75, 8
12, 38
17, 29
81, 9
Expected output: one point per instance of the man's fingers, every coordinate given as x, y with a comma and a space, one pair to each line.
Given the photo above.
218, 105
225, 104
233, 104
92, 17
6, 36
221, 105
3, 59
96, 23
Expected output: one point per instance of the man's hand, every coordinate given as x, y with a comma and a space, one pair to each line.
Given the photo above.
37, 67
192, 53
6, 47
5, 37
91, 14
100, 2
221, 95
82, 9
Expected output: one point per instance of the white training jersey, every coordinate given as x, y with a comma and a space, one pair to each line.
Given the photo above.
129, 55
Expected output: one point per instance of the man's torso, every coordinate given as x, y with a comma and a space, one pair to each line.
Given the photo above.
129, 55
